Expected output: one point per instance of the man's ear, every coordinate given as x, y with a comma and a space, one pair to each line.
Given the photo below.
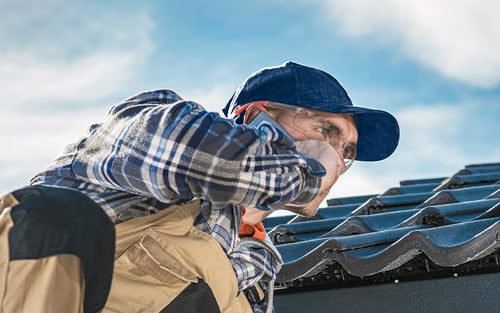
253, 110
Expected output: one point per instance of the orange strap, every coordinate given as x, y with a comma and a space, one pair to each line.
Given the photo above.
243, 108
256, 231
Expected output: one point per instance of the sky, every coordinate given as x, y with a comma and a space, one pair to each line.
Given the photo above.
435, 65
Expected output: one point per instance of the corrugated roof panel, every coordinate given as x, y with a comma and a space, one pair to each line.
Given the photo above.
418, 228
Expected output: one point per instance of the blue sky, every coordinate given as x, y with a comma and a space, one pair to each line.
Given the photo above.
434, 65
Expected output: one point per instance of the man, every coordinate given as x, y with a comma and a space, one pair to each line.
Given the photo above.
186, 191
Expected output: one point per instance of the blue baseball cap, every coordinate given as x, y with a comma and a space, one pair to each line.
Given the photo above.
299, 85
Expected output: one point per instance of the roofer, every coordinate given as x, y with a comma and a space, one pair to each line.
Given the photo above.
184, 192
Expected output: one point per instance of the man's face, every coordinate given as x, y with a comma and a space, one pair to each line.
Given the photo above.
314, 130
339, 130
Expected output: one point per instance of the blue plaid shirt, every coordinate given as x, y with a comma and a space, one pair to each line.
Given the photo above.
155, 150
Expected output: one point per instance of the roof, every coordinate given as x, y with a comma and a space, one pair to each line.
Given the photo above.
421, 229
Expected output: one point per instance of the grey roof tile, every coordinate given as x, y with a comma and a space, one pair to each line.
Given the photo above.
460, 181
407, 189
368, 254
381, 204
408, 182
424, 221
349, 200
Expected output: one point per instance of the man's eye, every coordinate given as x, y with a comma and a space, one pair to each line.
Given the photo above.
324, 131
329, 131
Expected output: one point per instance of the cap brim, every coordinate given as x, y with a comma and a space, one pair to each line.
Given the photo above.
378, 131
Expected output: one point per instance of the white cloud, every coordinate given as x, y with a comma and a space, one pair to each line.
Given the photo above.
213, 99
59, 52
430, 131
31, 140
430, 143
458, 38
27, 80
55, 57
357, 181
61, 30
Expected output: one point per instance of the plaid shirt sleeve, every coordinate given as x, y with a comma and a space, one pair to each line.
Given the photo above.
158, 145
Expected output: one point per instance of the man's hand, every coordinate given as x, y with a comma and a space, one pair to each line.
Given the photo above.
329, 158
253, 216
324, 153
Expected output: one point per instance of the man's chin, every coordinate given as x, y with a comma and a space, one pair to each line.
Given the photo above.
306, 210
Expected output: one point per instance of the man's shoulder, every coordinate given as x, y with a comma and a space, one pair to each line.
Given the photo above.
147, 98
162, 95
